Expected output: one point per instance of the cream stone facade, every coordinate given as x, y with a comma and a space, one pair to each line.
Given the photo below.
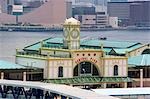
70, 62
139, 50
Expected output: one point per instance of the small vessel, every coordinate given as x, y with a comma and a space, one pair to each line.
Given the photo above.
102, 38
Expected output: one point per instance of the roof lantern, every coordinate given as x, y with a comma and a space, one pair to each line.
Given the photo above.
71, 21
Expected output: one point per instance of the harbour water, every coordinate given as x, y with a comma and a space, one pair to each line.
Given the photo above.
9, 41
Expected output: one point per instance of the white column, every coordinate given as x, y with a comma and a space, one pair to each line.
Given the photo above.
2, 75
24, 76
104, 85
141, 77
125, 85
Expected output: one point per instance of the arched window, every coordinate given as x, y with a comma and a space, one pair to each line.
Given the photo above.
75, 72
60, 71
85, 69
146, 51
115, 70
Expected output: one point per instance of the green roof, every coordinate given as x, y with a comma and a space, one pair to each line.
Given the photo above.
9, 65
55, 40
107, 49
141, 60
35, 46
107, 43
119, 46
124, 50
48, 41
88, 80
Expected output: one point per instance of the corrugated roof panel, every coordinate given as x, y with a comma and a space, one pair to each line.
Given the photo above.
106, 43
123, 51
9, 65
107, 50
55, 40
37, 45
34, 46
141, 60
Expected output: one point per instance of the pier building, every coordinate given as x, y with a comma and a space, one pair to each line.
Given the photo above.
12, 71
72, 61
89, 63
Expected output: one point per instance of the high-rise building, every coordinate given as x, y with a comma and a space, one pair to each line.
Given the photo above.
83, 11
0, 6
68, 9
100, 5
51, 13
120, 10
140, 13
5, 5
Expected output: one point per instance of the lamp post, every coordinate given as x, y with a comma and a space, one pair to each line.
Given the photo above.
32, 66
83, 71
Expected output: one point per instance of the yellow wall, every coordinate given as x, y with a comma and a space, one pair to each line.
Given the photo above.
138, 51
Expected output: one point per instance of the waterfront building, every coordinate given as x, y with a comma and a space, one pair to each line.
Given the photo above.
120, 10
140, 13
87, 21
135, 13
140, 65
0, 8
68, 9
77, 62
83, 10
53, 17
113, 22
12, 71
102, 19
95, 2
5, 5
100, 5
29, 6
98, 20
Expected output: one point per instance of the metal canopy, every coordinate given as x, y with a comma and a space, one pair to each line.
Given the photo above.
140, 60
9, 65
88, 80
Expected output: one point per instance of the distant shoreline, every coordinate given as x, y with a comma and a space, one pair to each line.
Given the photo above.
50, 29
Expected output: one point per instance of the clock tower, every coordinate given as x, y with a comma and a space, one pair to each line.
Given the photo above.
71, 34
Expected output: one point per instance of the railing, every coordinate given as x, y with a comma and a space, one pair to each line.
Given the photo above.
52, 46
43, 56
31, 54
112, 56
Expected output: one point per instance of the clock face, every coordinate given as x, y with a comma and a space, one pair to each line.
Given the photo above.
75, 34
